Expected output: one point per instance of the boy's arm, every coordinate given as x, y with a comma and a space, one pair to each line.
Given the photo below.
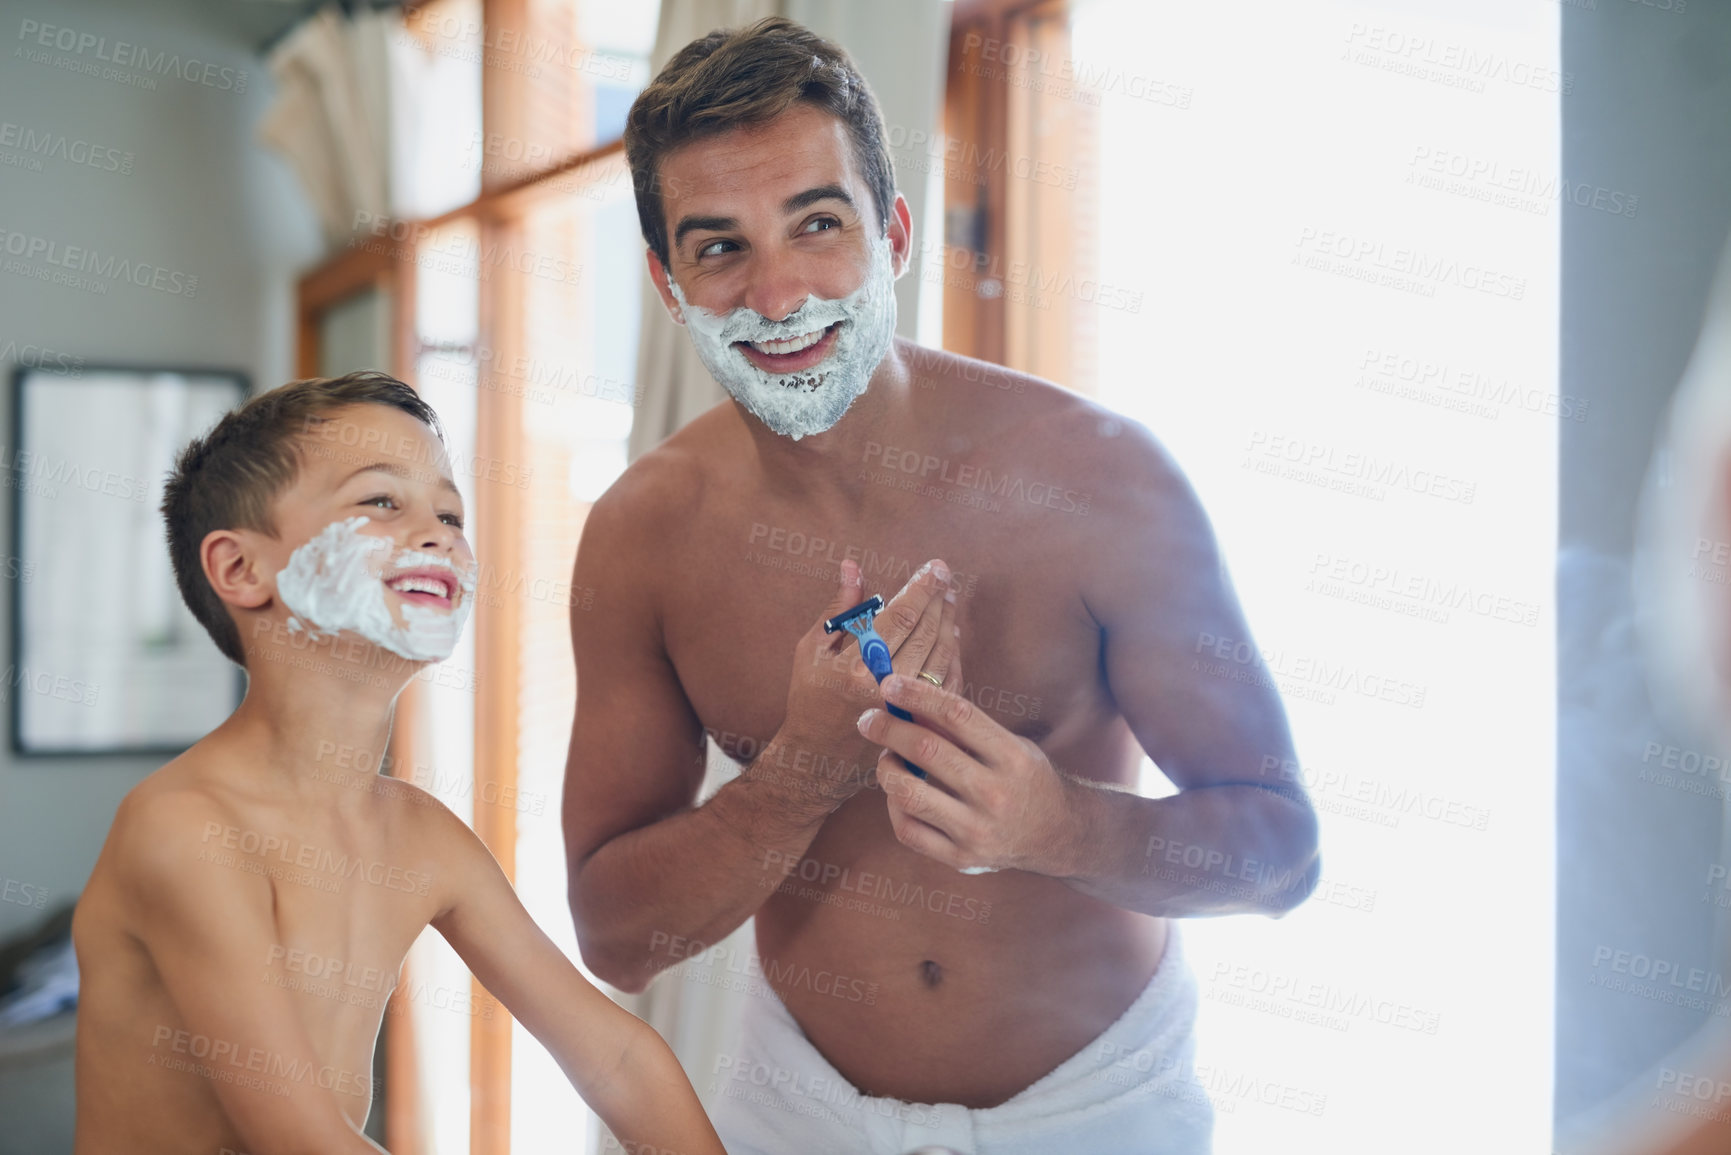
616, 1061
208, 929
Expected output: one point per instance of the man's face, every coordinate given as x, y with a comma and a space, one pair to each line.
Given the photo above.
370, 535
780, 267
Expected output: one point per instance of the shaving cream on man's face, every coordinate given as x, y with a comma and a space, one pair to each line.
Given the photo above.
809, 400
335, 582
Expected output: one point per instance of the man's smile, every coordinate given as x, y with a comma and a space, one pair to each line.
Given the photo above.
799, 372
794, 353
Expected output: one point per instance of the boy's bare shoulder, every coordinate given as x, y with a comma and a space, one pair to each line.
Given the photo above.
172, 808
423, 821
432, 835
166, 832
419, 815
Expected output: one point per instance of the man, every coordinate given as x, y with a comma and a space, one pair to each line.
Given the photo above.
913, 1003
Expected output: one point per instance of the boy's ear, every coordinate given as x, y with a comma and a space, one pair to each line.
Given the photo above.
231, 565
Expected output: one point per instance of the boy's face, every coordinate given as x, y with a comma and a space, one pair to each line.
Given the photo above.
370, 535
779, 266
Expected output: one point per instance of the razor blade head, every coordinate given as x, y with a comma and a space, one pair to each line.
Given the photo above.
869, 608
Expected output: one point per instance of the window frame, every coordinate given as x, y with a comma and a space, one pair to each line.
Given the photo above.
497, 211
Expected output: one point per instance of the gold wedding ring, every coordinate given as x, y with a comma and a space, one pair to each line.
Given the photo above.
938, 682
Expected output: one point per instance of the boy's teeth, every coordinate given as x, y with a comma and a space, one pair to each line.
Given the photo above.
421, 585
791, 345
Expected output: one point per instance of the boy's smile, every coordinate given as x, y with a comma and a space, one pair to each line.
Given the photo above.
426, 586
371, 538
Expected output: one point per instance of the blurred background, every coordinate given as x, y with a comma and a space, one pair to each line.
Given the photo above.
1405, 287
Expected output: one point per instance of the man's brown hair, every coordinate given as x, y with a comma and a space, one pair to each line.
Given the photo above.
748, 76
228, 478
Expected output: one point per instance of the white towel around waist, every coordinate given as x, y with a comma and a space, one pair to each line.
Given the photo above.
1129, 1092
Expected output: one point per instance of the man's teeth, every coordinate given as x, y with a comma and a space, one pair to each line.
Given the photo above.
424, 585
791, 345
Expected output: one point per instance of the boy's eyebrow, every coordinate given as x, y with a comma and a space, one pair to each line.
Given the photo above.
792, 204
398, 469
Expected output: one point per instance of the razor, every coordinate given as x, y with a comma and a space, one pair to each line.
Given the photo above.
873, 650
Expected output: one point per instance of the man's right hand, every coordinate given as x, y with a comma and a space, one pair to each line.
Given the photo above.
832, 686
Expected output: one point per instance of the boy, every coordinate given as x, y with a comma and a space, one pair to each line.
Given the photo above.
316, 533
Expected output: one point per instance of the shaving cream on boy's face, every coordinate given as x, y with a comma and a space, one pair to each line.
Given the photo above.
810, 400
336, 582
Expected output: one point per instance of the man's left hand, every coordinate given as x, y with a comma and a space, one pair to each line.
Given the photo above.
992, 799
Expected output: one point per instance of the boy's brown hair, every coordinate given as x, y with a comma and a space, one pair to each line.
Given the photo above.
228, 478
748, 76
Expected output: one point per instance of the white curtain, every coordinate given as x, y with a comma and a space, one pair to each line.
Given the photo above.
330, 115
901, 46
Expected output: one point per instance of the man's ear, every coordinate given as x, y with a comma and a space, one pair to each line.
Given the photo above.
231, 565
662, 280
901, 234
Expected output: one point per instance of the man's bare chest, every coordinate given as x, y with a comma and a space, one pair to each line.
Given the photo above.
1030, 651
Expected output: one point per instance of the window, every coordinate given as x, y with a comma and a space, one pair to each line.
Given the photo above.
579, 352
517, 216
1315, 249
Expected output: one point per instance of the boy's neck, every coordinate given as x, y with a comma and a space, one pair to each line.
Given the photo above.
310, 726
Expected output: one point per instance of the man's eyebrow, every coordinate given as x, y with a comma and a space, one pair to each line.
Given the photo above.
398, 469
827, 192
794, 203
697, 224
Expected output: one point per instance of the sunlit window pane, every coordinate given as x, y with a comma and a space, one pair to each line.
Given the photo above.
1336, 337
575, 380
446, 307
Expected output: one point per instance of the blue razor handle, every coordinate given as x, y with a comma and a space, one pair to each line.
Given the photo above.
876, 655
873, 650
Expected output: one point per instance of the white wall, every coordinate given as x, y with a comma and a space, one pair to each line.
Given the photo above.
199, 197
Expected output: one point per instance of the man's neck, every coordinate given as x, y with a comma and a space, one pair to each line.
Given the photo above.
825, 467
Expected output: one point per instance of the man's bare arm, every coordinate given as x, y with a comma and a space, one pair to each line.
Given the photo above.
616, 1061
1238, 836
649, 869
208, 928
